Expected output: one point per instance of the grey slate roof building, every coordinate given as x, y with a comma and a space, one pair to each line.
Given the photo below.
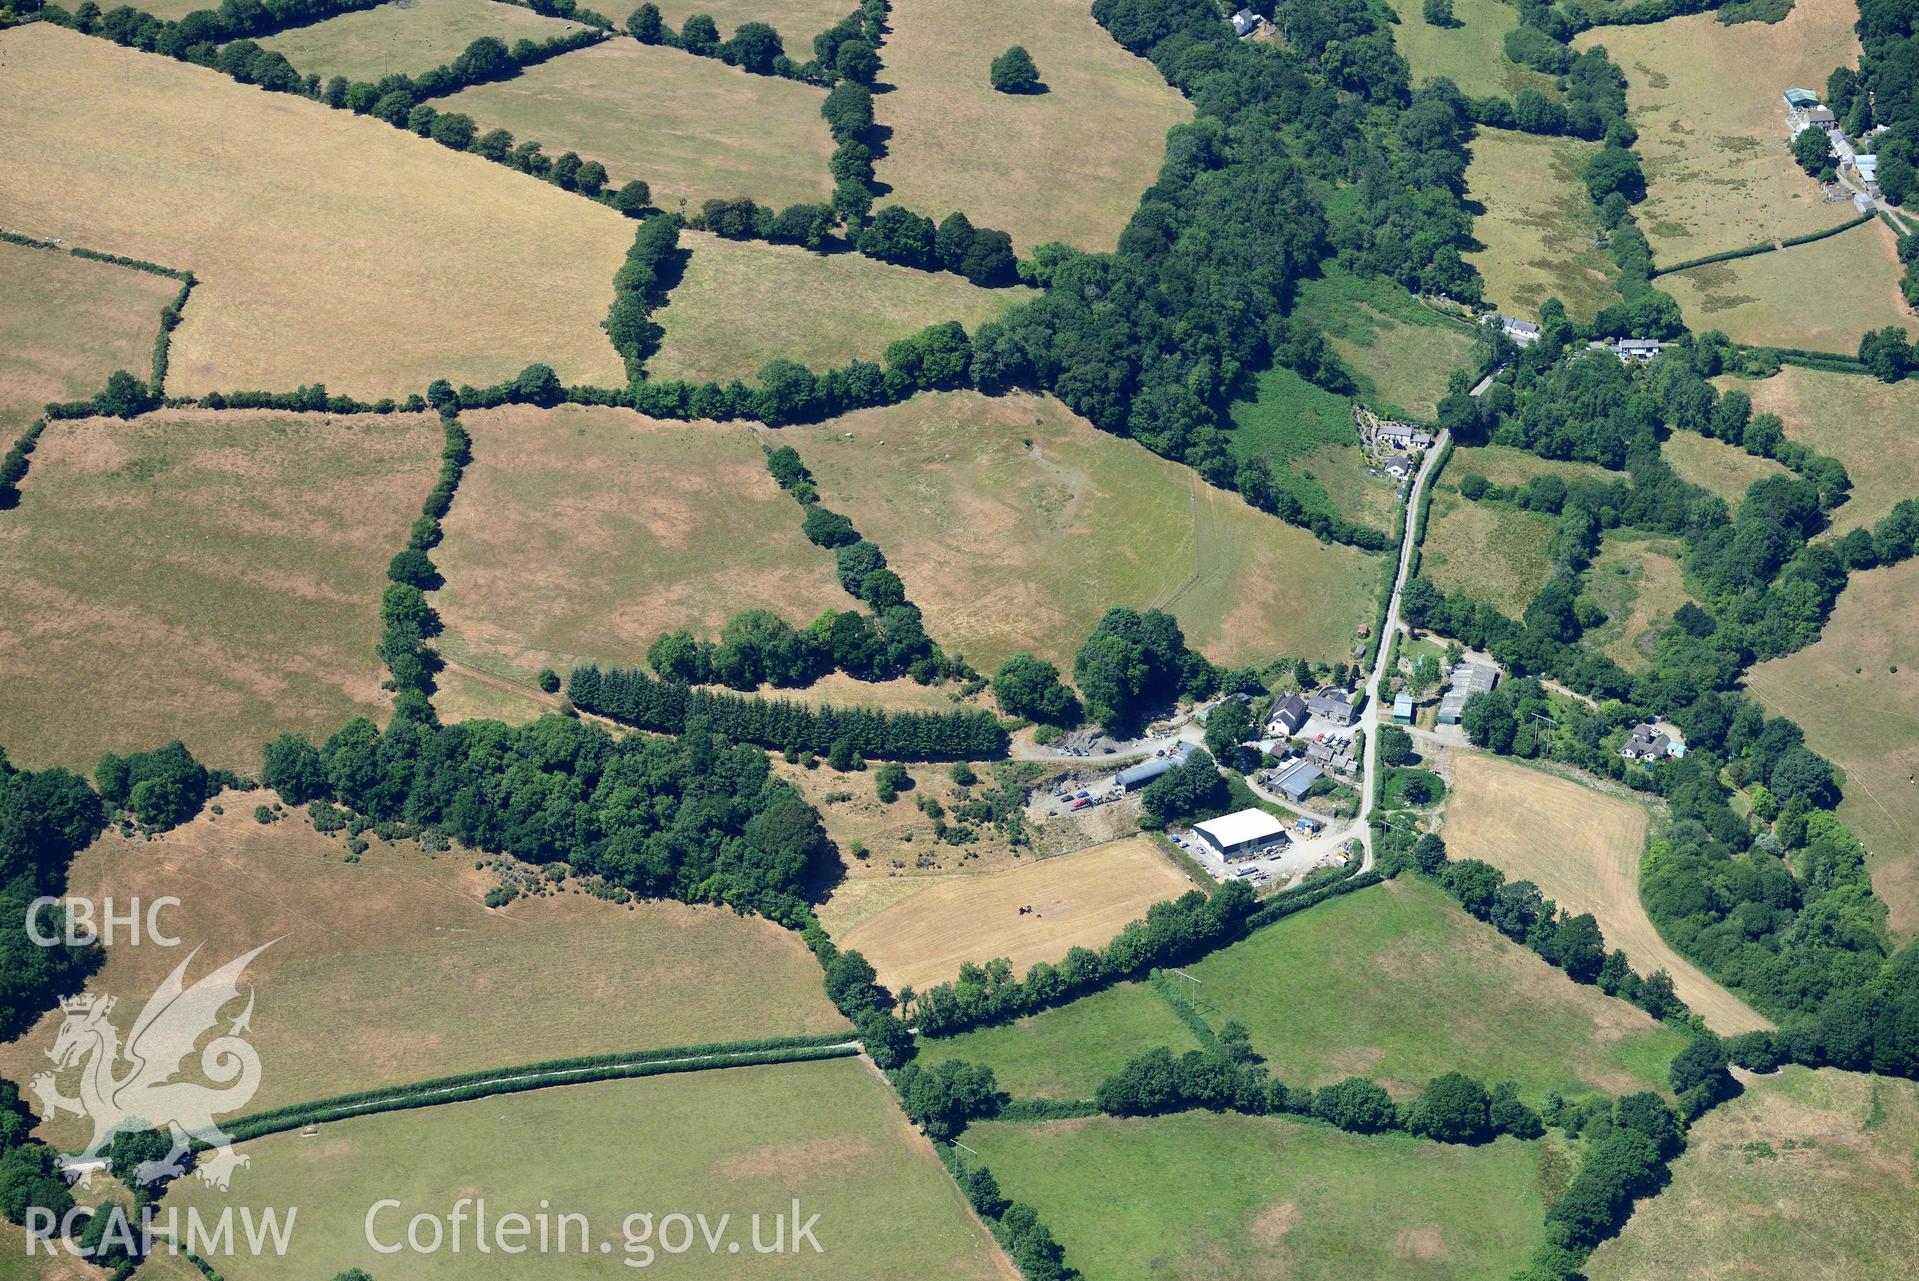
1297, 781
1336, 705
1290, 713
1646, 744
1137, 776
1245, 22
1467, 679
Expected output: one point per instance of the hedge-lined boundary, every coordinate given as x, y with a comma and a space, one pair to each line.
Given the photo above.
170, 313
1284, 905
1831, 361
1164, 984
1766, 247
632, 697
537, 1076
14, 467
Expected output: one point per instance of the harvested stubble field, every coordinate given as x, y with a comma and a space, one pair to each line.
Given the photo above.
66, 324
1639, 582
330, 248
1374, 983
1065, 165
1471, 53
1494, 552
1016, 524
1078, 900
694, 128
1712, 126
1856, 694
1726, 470
738, 1142
213, 577
407, 40
392, 970
583, 533
1823, 296
1204, 1195
1067, 1052
1870, 426
1538, 227
1807, 1174
1582, 848
740, 304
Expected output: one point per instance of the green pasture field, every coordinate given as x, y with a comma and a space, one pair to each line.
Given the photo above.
1065, 165
66, 324
1307, 433
1399, 351
1538, 226
1712, 127
693, 128
743, 303
1016, 525
1823, 296
1856, 694
580, 534
1726, 470
1472, 53
1399, 984
1807, 1173
1395, 796
1493, 551
1637, 580
1870, 426
388, 39
214, 577
1203, 1195
1066, 1052
738, 1141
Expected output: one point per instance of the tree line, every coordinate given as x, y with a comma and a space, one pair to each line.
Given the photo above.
633, 698
848, 50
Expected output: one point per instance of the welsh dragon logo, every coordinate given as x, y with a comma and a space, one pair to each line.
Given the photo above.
134, 1087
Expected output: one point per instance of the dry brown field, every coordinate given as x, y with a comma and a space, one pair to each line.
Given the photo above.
583, 533
1016, 524
330, 248
392, 970
1078, 900
1856, 694
1808, 1174
1870, 426
1789, 298
1581, 848
1712, 126
693, 128
214, 577
66, 324
1067, 165
797, 21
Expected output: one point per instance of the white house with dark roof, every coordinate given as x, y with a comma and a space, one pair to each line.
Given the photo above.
1245, 22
